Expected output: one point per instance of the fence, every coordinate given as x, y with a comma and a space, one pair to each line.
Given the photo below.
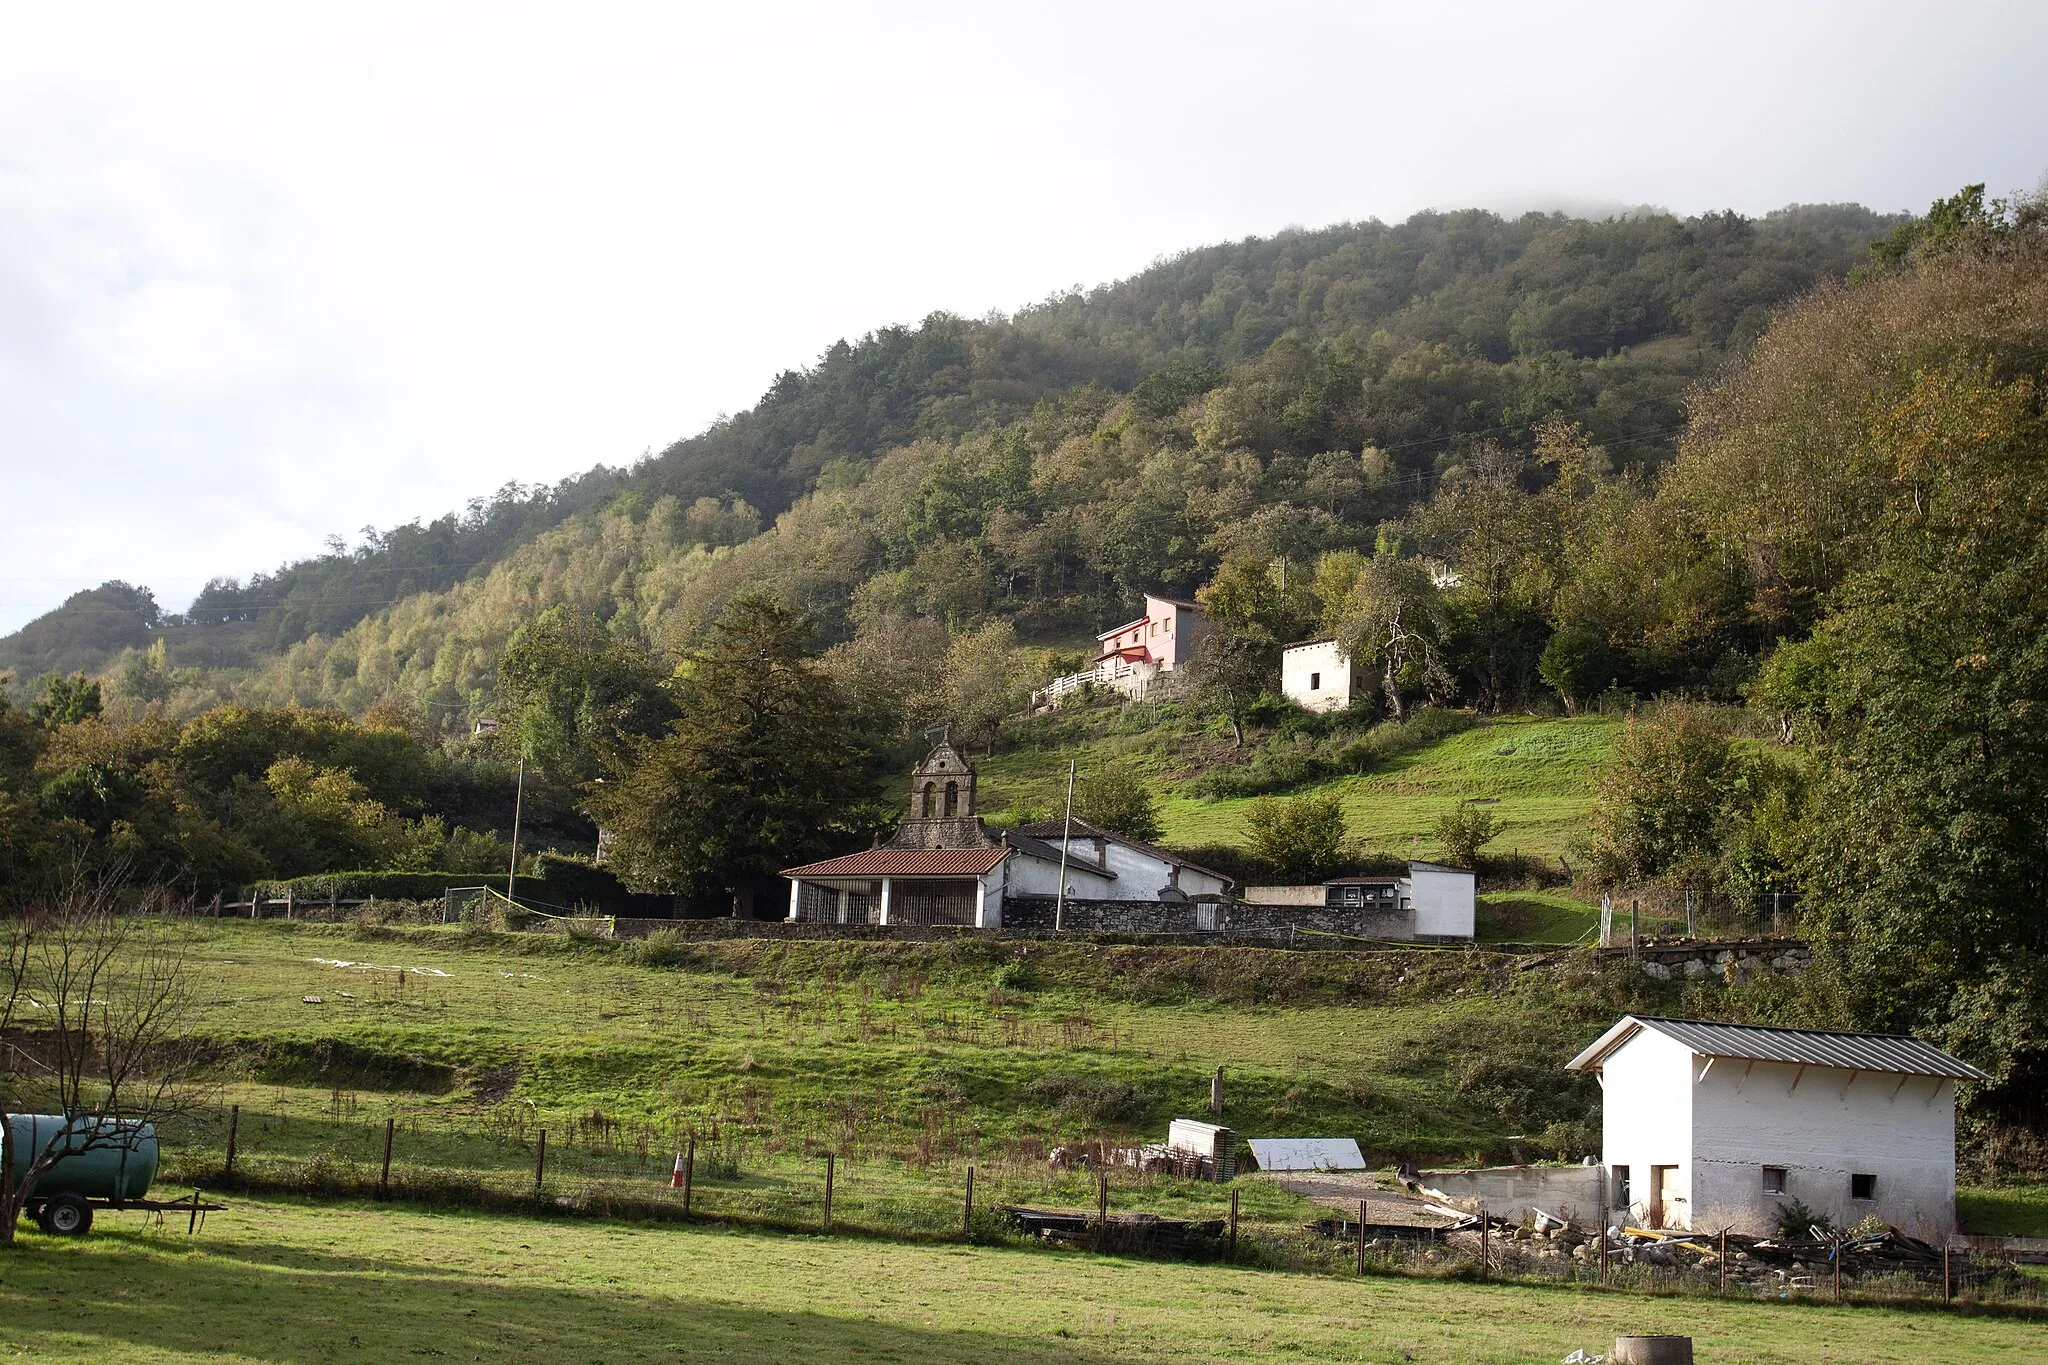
948, 1189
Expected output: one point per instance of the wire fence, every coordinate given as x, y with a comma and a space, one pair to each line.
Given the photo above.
1014, 1192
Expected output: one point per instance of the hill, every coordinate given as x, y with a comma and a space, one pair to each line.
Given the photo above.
1413, 340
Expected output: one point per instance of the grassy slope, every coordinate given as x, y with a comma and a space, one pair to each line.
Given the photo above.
275, 1280
1537, 773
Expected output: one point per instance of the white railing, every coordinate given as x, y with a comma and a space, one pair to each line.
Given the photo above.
1109, 671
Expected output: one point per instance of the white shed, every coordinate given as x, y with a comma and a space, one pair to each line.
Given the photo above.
1319, 676
1709, 1125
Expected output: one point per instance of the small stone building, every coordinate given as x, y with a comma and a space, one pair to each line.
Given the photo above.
1434, 903
1711, 1125
1317, 675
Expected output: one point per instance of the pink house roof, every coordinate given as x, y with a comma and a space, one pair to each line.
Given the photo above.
906, 862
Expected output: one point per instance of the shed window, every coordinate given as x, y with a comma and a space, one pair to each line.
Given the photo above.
1315, 682
1774, 1180
1863, 1186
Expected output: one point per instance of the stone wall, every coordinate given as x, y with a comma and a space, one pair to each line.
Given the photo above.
1282, 923
711, 930
1729, 961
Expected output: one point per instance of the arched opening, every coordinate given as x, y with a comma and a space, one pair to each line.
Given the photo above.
952, 799
930, 794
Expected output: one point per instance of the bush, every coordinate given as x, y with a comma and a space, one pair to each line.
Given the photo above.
662, 948
1011, 976
1303, 839
1091, 1101
1462, 831
1117, 799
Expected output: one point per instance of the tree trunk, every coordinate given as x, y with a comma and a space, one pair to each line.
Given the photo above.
1236, 733
10, 1205
1392, 689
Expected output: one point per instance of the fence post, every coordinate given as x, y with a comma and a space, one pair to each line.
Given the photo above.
384, 1180
1233, 1222
1485, 1231
234, 1122
1101, 1211
1603, 1255
1838, 1270
1721, 1263
1361, 1236
689, 1171
540, 1162
1948, 1284
967, 1208
828, 1192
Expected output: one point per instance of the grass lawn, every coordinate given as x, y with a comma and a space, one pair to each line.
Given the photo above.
281, 1281
2004, 1210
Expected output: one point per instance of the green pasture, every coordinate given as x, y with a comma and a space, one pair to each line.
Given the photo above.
1535, 774
279, 1280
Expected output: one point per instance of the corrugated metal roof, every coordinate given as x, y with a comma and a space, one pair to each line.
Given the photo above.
1892, 1053
1054, 829
905, 862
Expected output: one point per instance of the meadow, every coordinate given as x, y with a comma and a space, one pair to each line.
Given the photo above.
283, 1280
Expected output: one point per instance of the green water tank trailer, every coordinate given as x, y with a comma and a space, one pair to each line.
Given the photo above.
99, 1158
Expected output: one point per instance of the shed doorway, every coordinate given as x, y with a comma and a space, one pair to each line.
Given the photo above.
1657, 1208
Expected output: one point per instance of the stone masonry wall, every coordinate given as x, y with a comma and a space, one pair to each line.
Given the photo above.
1729, 961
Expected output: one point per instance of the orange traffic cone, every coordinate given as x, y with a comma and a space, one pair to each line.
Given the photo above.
675, 1182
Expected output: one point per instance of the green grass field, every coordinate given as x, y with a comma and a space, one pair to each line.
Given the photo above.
276, 1280
1536, 775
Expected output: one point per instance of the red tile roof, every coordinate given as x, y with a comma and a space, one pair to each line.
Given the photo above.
906, 862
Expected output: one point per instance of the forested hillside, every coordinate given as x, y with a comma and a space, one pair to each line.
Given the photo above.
1401, 345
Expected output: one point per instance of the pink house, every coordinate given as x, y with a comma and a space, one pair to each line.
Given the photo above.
1163, 637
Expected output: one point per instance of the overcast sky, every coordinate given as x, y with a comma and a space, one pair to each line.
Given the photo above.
272, 273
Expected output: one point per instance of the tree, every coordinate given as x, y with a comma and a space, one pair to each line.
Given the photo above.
1302, 838
574, 695
1665, 795
1231, 672
759, 770
1463, 830
66, 701
94, 1009
1387, 611
986, 682
1116, 798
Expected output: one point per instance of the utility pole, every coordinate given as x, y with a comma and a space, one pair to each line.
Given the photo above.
518, 800
1059, 905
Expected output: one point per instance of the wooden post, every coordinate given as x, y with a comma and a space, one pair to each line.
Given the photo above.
1722, 1263
1838, 1270
192, 1223
384, 1180
288, 902
1635, 942
540, 1162
1603, 1255
1233, 1222
1485, 1231
967, 1208
333, 898
1361, 1236
828, 1191
234, 1122
689, 1171
1101, 1211
1216, 1092
1948, 1284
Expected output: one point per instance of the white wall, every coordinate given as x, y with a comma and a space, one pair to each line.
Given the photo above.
1027, 875
1646, 1120
1445, 900
1285, 895
1720, 1132
1568, 1192
1822, 1127
1330, 670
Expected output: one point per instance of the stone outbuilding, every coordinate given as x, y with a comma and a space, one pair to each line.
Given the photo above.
1711, 1125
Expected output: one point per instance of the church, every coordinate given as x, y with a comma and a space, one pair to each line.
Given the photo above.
943, 866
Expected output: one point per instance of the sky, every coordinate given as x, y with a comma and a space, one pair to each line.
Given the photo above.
274, 273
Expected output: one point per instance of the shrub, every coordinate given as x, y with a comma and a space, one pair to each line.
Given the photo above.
1796, 1222
1303, 838
1118, 800
1462, 831
662, 948
1012, 976
1089, 1100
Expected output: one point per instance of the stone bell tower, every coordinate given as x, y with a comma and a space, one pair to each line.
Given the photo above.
941, 811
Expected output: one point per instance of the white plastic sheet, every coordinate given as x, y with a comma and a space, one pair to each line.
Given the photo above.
1307, 1154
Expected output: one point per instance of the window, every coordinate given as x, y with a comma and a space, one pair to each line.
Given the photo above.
1863, 1187
952, 799
1315, 682
1774, 1180
1621, 1195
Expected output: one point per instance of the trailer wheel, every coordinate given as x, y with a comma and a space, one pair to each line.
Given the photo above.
66, 1215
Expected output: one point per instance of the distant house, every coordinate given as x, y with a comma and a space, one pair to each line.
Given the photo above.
1130, 658
943, 866
1711, 1125
1433, 903
1317, 675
